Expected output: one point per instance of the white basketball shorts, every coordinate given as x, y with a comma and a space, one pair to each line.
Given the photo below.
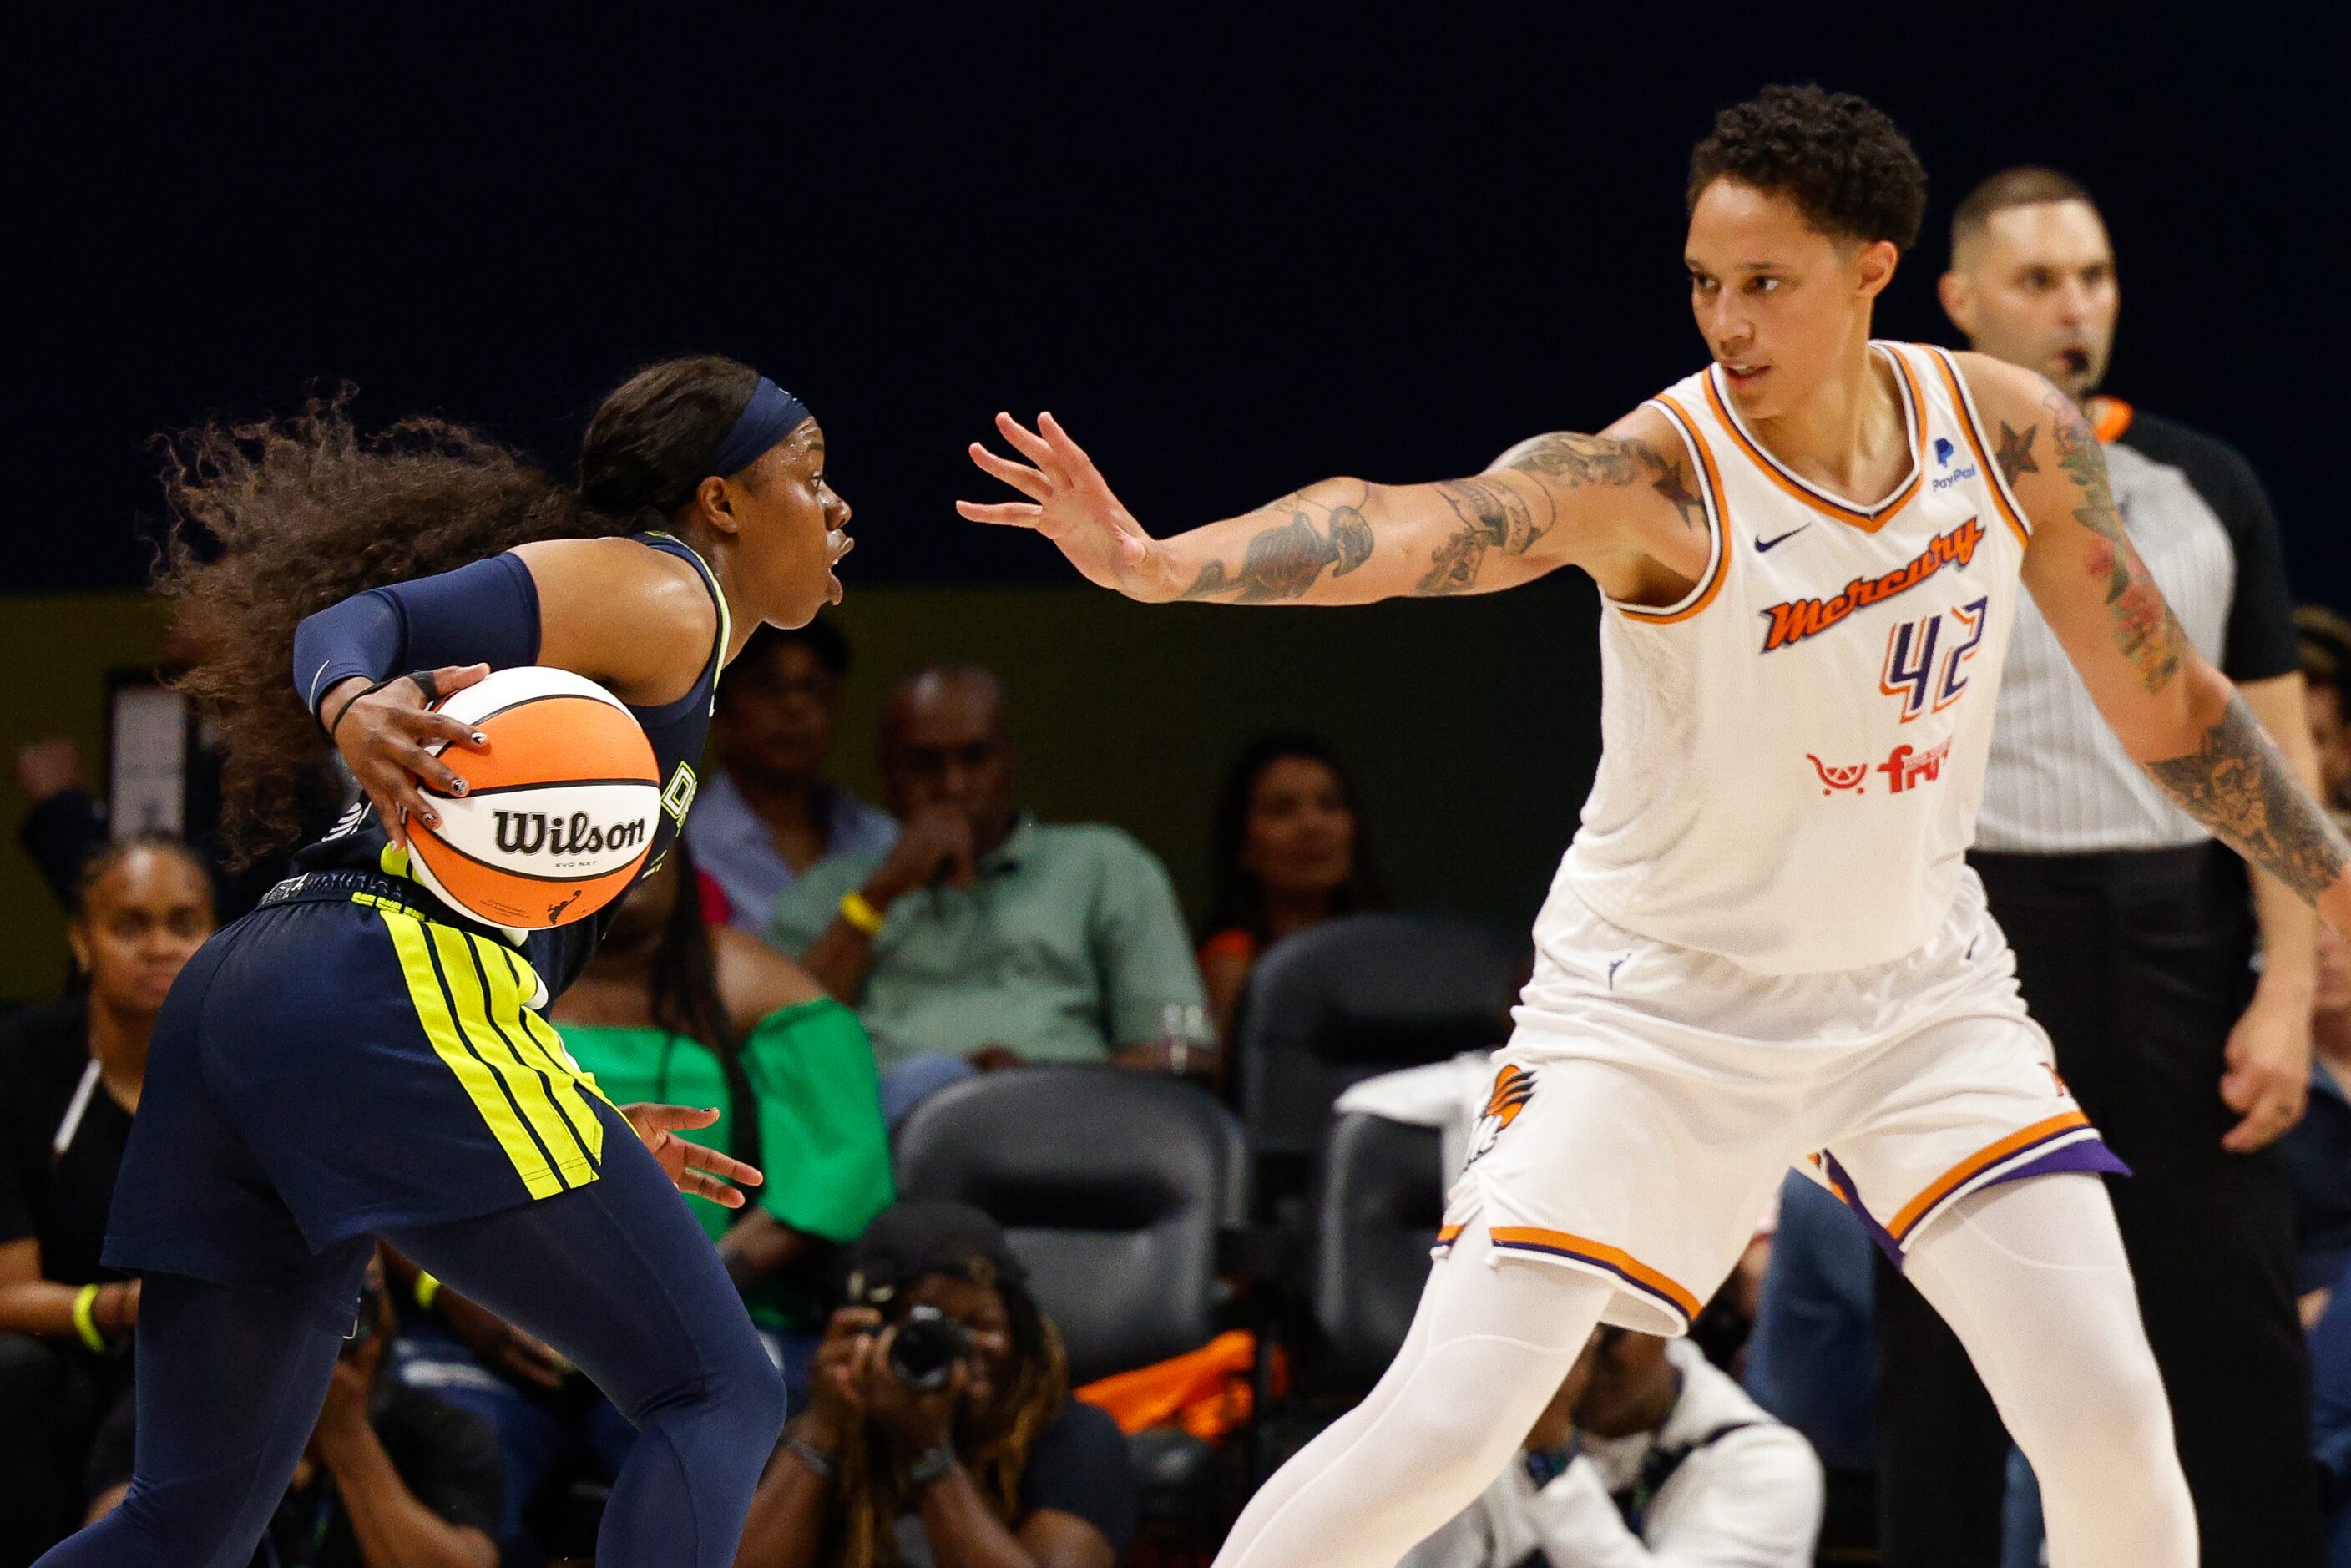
1652, 1098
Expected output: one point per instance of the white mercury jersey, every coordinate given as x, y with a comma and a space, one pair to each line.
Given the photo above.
1793, 753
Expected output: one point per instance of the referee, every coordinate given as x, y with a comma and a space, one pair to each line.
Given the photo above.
2135, 934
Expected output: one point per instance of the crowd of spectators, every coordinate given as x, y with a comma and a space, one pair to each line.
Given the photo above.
816, 967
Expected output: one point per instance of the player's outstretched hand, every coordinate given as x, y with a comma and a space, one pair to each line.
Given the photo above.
705, 1172
392, 742
1071, 504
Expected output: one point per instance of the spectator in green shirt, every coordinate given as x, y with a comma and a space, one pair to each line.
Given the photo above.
984, 938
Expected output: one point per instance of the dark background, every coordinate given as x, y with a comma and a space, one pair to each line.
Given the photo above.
1232, 255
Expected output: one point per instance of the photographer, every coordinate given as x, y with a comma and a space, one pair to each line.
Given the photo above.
941, 1431
394, 1477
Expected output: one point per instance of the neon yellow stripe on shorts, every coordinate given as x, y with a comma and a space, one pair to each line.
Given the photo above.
481, 1085
507, 1012
530, 1086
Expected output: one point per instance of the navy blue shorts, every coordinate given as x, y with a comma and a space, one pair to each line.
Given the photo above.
337, 1065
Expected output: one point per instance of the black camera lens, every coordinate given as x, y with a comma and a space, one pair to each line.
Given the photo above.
924, 1350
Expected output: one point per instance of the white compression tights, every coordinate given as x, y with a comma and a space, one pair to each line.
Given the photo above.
2030, 1275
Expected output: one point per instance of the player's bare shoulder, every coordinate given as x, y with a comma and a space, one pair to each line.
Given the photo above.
1629, 504
2028, 422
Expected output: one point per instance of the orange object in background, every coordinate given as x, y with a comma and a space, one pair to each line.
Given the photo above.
1207, 1392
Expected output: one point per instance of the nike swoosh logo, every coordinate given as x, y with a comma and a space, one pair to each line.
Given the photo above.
1763, 545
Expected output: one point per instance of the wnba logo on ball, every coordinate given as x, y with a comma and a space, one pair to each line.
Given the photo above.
536, 833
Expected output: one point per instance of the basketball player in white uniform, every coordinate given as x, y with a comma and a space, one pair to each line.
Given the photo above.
1764, 944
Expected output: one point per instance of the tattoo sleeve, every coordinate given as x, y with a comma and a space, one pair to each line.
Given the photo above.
1284, 561
1496, 518
2141, 623
2236, 783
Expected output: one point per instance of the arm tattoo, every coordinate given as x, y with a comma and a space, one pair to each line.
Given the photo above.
1284, 561
2236, 784
1607, 460
2143, 625
2015, 454
1493, 517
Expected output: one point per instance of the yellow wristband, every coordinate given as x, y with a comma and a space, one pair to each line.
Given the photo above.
427, 1288
859, 911
85, 1323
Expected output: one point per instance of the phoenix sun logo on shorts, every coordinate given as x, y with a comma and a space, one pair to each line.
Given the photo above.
1513, 1087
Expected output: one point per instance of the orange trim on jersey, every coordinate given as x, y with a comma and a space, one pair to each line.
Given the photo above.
1718, 518
1976, 1164
1446, 1234
1623, 1265
1869, 520
2112, 418
1992, 476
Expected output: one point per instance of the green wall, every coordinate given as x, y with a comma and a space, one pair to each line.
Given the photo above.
1473, 723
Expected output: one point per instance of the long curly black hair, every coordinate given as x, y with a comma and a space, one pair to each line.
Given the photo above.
275, 518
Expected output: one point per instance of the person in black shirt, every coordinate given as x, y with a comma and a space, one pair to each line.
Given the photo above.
392, 1477
71, 1074
993, 1467
2135, 935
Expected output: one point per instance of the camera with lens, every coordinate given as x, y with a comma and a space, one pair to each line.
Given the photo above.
924, 1350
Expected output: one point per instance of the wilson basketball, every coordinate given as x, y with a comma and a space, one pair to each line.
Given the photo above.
560, 807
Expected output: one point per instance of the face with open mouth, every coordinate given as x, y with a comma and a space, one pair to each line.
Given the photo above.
2036, 286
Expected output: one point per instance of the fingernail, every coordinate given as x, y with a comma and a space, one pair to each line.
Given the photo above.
480, 739
431, 818
457, 787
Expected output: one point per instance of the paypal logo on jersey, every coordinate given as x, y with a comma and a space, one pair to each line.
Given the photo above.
1944, 453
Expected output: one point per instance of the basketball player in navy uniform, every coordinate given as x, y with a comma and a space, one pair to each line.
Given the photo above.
1764, 944
356, 1060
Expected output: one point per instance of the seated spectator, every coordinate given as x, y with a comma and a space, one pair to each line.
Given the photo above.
768, 812
1647, 1453
2317, 1151
1288, 852
986, 938
675, 1010
941, 1430
71, 1074
393, 1476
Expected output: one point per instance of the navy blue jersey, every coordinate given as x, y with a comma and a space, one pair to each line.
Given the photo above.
677, 731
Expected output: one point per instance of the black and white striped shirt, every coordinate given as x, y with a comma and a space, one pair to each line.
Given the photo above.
2059, 781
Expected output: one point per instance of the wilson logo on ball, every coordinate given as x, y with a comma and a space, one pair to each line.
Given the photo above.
534, 833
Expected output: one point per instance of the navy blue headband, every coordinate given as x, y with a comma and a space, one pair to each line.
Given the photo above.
771, 415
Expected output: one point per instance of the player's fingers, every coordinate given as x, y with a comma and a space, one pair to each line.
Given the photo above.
1004, 513
1064, 447
1030, 445
671, 1118
703, 1157
427, 728
435, 773
1020, 475
387, 811
408, 797
458, 677
711, 1187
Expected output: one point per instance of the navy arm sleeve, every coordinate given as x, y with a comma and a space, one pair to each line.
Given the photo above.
485, 613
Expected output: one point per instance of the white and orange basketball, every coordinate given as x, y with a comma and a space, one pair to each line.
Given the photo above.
560, 807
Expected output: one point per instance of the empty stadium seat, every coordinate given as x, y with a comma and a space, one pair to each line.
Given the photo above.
1113, 1186
1342, 1000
